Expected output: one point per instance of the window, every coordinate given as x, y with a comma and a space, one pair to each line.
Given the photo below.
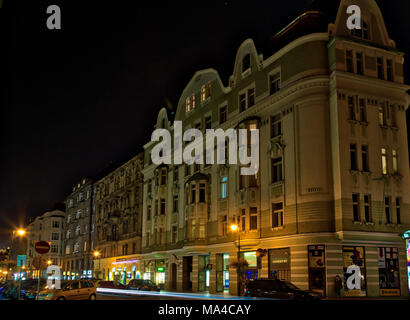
251, 97
201, 192
349, 61
208, 122
246, 62
68, 235
78, 214
365, 159
69, 218
224, 187
353, 157
54, 248
359, 63
223, 114
382, 118
174, 234
387, 209
253, 219
190, 103
274, 83
77, 247
176, 171
395, 162
362, 33
277, 170
163, 176
389, 66
356, 210
193, 229
351, 107
162, 206
367, 208
55, 236
398, 213
277, 215
77, 230
242, 102
243, 220
149, 213
176, 202
276, 126
363, 113
205, 91
67, 249
202, 229
224, 226
384, 161
56, 224
380, 68
193, 193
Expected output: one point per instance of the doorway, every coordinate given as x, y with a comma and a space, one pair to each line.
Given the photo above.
173, 275
187, 274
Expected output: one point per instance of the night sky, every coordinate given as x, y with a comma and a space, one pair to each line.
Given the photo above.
79, 98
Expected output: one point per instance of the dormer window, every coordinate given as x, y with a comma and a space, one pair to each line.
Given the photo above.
362, 33
205, 91
246, 62
190, 103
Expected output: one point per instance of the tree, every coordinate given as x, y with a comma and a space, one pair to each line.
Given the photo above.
241, 266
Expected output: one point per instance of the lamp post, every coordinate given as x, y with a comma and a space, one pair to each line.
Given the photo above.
20, 233
97, 256
235, 227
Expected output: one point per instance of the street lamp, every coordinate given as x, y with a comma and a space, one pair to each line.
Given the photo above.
20, 233
234, 228
97, 255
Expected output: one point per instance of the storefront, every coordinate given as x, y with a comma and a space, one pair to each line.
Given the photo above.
222, 272
354, 256
279, 264
252, 270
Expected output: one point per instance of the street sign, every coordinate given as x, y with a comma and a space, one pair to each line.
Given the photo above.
21, 260
42, 247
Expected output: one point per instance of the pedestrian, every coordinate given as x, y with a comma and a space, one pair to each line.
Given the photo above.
338, 285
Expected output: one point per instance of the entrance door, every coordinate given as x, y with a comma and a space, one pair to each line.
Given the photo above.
187, 274
317, 280
173, 274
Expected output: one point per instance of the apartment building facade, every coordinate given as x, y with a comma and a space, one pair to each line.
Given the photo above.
333, 183
48, 227
78, 232
117, 207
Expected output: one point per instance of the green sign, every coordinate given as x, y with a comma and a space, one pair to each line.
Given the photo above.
406, 235
161, 269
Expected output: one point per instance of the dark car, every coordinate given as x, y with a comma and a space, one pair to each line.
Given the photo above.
277, 289
29, 288
145, 285
111, 285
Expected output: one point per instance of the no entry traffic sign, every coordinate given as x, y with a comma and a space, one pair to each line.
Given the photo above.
42, 247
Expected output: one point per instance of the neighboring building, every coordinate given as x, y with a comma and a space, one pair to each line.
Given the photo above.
118, 220
333, 183
78, 232
47, 227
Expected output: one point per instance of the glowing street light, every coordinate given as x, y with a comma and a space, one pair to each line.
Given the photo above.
49, 262
234, 227
97, 254
21, 232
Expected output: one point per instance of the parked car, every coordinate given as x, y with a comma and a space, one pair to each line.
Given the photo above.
111, 285
29, 289
277, 289
141, 284
71, 290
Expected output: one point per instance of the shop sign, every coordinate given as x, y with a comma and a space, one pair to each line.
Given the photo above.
161, 269
389, 281
354, 257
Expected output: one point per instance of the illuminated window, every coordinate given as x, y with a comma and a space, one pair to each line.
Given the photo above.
190, 103
224, 187
384, 161
205, 91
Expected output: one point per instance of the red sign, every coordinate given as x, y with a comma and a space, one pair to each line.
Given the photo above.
42, 247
